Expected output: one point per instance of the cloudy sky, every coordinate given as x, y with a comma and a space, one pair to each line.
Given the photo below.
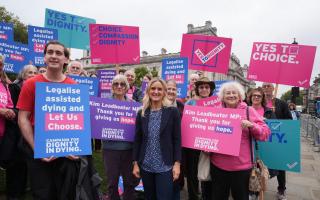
163, 22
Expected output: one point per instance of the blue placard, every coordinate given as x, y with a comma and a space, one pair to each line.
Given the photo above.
16, 55
177, 69
73, 30
38, 37
282, 150
218, 85
6, 31
91, 81
62, 120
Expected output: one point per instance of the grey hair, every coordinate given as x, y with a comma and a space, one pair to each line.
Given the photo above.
234, 85
130, 71
122, 78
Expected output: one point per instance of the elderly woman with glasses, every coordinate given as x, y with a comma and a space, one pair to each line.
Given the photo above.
117, 155
233, 172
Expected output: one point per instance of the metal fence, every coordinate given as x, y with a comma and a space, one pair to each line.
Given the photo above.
311, 126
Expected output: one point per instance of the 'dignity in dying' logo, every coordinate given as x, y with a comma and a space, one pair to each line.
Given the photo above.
205, 52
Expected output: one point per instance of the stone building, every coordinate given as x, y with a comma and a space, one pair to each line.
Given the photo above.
154, 62
311, 95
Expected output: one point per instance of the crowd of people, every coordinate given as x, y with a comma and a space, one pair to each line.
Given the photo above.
156, 155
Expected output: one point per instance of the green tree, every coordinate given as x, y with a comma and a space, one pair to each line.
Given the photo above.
140, 73
154, 72
20, 29
287, 97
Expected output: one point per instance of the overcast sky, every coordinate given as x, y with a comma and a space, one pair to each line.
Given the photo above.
163, 22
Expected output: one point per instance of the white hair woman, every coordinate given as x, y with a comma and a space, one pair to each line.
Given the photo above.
117, 155
233, 172
157, 145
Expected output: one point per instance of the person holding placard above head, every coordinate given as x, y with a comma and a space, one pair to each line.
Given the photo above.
233, 172
157, 144
117, 155
134, 92
47, 174
203, 88
280, 108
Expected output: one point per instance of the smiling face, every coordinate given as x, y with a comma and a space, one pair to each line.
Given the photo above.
171, 91
119, 88
256, 98
204, 90
130, 77
30, 72
75, 68
156, 92
231, 97
54, 57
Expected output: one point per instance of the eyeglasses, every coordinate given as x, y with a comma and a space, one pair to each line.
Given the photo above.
257, 96
201, 87
116, 84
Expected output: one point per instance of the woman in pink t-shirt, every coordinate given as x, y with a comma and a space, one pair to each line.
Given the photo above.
6, 105
231, 173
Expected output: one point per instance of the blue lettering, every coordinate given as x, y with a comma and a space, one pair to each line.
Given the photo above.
224, 129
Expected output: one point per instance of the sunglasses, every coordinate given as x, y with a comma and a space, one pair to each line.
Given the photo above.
116, 84
257, 96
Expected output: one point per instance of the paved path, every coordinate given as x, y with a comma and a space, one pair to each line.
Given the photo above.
300, 186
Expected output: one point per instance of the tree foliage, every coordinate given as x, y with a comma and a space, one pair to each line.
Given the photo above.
140, 73
20, 29
287, 97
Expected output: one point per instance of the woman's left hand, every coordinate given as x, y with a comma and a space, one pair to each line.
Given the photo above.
246, 124
176, 171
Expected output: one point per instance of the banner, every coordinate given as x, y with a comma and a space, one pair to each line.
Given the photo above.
114, 44
92, 82
212, 101
212, 129
62, 119
105, 80
113, 119
38, 37
6, 31
176, 69
16, 55
73, 30
218, 86
206, 53
288, 64
282, 150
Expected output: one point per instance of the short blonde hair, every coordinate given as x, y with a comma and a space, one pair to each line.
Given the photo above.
234, 85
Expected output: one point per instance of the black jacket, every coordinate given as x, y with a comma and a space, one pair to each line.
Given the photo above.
170, 135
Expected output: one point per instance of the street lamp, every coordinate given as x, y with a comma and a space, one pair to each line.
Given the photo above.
294, 90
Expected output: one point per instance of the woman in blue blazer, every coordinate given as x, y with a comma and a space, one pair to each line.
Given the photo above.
157, 145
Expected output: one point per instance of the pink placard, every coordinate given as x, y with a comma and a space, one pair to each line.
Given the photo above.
64, 121
212, 129
114, 44
288, 64
206, 53
212, 101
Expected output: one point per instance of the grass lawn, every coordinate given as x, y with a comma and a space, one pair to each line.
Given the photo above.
98, 165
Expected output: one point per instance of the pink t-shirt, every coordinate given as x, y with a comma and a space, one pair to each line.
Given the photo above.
5, 102
260, 111
260, 131
269, 104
